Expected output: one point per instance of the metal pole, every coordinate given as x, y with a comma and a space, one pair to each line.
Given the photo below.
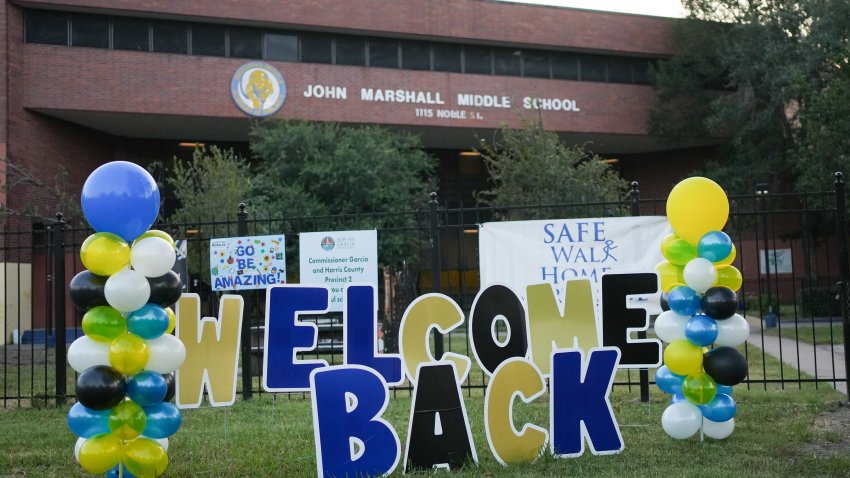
59, 309
435, 264
247, 356
643, 374
761, 190
843, 269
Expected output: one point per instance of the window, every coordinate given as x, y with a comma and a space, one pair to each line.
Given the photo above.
246, 42
90, 31
208, 39
564, 66
477, 60
130, 34
350, 51
316, 48
447, 57
383, 53
282, 46
415, 55
535, 64
49, 28
170, 37
507, 61
592, 68
640, 69
619, 70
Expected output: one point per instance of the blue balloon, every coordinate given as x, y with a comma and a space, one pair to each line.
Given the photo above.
121, 198
721, 408
668, 381
113, 473
678, 397
683, 300
714, 246
701, 330
86, 423
149, 322
724, 389
164, 420
147, 388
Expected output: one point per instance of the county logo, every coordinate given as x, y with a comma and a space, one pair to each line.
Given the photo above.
328, 243
258, 88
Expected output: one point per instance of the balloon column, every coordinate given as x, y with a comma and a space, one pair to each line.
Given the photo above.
700, 285
127, 357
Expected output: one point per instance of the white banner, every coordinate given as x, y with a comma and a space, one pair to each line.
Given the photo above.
520, 253
339, 258
242, 263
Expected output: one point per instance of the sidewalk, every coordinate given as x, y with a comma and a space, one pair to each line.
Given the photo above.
822, 361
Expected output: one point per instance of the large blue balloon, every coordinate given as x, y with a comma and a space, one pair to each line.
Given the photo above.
714, 246
164, 420
86, 423
147, 388
668, 381
149, 322
721, 408
683, 300
701, 330
121, 198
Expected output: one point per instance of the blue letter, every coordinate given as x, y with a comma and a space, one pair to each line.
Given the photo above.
351, 437
360, 324
579, 407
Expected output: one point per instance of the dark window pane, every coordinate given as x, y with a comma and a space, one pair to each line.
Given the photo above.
208, 39
282, 46
477, 60
246, 43
640, 69
130, 34
619, 70
316, 48
535, 64
592, 68
50, 28
564, 66
507, 62
170, 37
383, 53
447, 57
350, 51
90, 31
415, 55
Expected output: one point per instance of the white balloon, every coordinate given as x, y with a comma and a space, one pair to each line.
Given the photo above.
718, 430
670, 326
699, 274
127, 290
167, 354
85, 352
733, 331
77, 447
681, 420
152, 256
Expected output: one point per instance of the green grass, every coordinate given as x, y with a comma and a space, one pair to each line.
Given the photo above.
819, 334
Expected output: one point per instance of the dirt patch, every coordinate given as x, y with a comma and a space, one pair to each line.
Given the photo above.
11, 356
831, 433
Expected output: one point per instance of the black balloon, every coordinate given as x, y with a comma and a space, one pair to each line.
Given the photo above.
86, 290
165, 289
663, 301
725, 365
169, 380
101, 387
719, 303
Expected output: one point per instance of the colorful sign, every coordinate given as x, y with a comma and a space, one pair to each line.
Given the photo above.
337, 259
258, 88
243, 263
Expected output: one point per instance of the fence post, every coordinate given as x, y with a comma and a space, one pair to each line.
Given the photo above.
843, 269
435, 263
59, 308
247, 378
634, 206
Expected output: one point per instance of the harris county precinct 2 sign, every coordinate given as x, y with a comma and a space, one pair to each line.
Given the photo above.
546, 340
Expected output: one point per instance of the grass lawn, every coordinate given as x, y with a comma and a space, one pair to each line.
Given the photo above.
819, 334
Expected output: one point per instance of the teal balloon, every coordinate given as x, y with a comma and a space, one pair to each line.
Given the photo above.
149, 322
714, 246
683, 300
86, 423
668, 381
721, 408
147, 388
163, 420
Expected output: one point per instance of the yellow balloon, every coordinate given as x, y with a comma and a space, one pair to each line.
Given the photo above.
683, 357
145, 458
729, 259
696, 206
156, 233
104, 253
670, 274
128, 354
172, 320
729, 276
101, 453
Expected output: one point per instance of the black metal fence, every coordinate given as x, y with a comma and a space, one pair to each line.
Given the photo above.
791, 250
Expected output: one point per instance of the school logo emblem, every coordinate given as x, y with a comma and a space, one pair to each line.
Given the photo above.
328, 243
258, 88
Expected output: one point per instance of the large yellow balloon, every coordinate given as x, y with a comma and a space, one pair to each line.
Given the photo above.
104, 253
696, 206
128, 354
670, 274
683, 357
145, 458
101, 453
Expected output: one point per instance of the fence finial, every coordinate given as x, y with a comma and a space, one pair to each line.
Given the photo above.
432, 197
839, 177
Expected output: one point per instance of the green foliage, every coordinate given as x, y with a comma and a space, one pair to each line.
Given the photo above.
532, 166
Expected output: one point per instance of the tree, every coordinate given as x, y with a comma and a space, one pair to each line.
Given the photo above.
531, 166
